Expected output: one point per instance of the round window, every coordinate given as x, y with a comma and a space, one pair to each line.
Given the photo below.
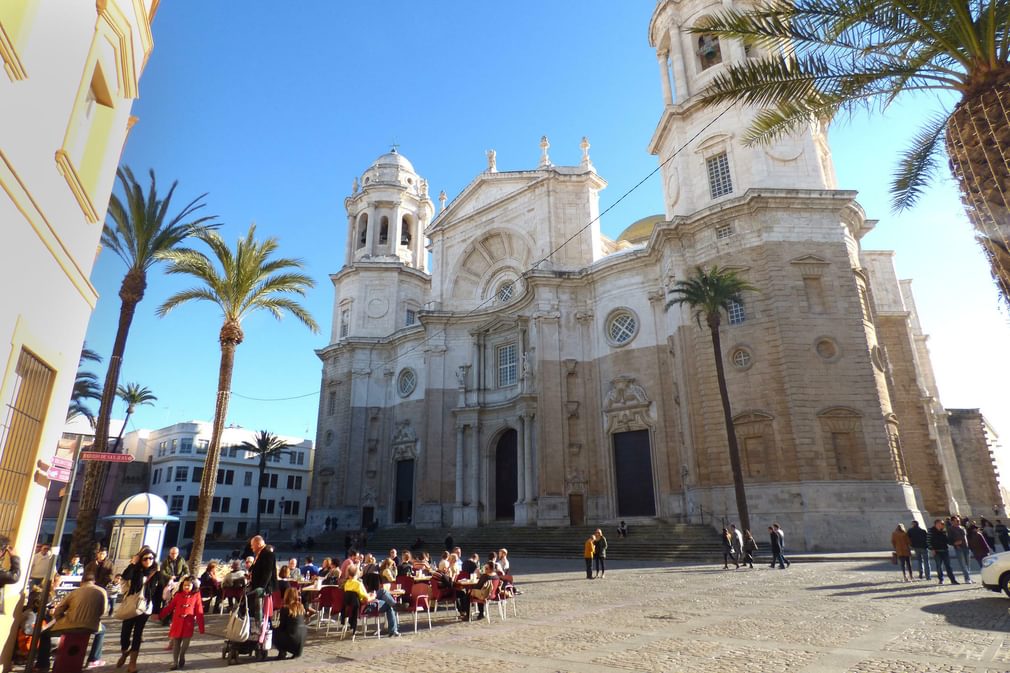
406, 382
826, 348
505, 292
622, 327
741, 358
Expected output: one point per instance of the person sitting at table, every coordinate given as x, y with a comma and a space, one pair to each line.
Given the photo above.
210, 587
310, 569
503, 560
481, 589
471, 565
369, 566
355, 595
284, 579
459, 558
289, 636
422, 564
387, 571
452, 566
443, 563
294, 572
406, 566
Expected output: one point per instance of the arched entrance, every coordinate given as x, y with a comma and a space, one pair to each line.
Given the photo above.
506, 480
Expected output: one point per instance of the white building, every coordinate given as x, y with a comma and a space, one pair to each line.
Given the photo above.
176, 455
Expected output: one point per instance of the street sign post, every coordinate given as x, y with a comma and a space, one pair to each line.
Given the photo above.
103, 456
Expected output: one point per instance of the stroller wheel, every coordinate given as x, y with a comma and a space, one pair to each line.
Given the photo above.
261, 655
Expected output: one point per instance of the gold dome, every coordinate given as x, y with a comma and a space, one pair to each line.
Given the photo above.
639, 232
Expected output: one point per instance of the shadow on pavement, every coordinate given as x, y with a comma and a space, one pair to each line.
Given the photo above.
989, 611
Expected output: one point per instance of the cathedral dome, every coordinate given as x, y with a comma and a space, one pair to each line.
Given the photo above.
639, 232
394, 158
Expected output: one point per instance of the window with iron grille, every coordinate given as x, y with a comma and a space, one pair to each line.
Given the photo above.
505, 292
411, 317
507, 365
406, 382
723, 231
621, 327
719, 181
736, 313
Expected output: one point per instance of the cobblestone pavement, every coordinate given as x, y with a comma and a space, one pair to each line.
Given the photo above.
845, 617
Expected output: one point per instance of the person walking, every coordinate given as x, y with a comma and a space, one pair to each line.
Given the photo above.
139, 576
1002, 534
958, 538
588, 550
782, 543
81, 610
186, 610
918, 537
737, 540
750, 546
902, 551
727, 550
978, 544
938, 544
600, 554
776, 545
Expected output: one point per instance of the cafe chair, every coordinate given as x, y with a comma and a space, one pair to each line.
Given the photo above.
419, 603
492, 597
336, 598
325, 602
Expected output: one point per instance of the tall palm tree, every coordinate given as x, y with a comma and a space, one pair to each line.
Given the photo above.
822, 57
265, 447
134, 395
85, 388
141, 226
240, 282
709, 293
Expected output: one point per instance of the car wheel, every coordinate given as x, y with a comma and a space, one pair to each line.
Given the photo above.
1004, 582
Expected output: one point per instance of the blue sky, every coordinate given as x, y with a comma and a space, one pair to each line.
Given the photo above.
274, 108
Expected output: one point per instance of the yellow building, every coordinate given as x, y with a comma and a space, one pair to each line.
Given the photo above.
70, 75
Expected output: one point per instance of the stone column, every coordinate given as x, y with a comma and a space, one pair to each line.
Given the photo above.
521, 459
420, 258
474, 468
664, 77
527, 460
460, 433
680, 90
373, 222
352, 237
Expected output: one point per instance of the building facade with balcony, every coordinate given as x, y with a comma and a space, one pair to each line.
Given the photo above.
175, 456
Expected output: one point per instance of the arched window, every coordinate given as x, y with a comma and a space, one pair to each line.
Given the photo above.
362, 230
709, 51
383, 230
406, 233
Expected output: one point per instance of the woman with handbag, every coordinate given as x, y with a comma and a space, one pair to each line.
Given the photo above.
135, 608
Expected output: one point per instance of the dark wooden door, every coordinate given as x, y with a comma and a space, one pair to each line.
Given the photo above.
506, 480
576, 509
403, 509
633, 469
367, 514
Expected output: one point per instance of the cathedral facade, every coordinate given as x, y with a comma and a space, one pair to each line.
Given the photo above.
534, 375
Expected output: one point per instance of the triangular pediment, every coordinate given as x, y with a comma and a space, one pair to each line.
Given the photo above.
487, 192
809, 259
499, 323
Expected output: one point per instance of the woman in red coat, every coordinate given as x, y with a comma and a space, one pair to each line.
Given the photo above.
186, 609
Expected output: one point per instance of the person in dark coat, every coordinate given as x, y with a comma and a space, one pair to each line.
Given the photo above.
263, 578
141, 576
776, 545
289, 636
1002, 534
919, 537
938, 544
449, 542
978, 544
10, 567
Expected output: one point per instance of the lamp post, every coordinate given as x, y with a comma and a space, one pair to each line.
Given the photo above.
280, 515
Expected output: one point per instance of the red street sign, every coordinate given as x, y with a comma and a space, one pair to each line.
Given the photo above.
65, 463
107, 457
59, 474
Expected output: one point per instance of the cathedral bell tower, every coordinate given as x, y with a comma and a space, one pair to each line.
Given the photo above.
716, 164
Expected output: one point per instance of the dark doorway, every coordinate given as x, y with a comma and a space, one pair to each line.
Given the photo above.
172, 533
576, 509
506, 478
367, 514
633, 469
403, 507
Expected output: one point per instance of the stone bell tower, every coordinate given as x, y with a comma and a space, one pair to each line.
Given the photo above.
716, 164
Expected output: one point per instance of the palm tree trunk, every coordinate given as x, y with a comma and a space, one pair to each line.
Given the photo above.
259, 490
978, 144
209, 481
727, 413
130, 293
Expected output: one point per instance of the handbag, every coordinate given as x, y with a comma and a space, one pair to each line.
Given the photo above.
237, 630
131, 606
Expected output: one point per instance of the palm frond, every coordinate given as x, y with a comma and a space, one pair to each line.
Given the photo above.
918, 164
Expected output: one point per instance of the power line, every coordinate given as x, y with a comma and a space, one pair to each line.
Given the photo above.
274, 399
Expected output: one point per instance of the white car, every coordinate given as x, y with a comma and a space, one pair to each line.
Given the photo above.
996, 572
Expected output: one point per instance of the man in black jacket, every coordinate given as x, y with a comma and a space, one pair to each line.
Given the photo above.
10, 567
938, 543
919, 537
263, 579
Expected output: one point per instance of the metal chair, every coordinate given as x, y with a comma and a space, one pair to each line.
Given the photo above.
419, 603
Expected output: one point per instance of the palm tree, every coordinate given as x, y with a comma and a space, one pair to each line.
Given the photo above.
141, 227
708, 294
85, 388
822, 57
240, 282
265, 447
134, 395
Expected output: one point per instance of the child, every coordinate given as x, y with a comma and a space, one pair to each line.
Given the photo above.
113, 591
186, 609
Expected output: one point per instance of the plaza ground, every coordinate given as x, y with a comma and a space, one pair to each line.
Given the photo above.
830, 617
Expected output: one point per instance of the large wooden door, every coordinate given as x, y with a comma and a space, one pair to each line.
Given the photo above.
403, 509
576, 509
506, 478
633, 470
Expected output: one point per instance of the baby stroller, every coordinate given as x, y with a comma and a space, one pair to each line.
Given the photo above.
240, 636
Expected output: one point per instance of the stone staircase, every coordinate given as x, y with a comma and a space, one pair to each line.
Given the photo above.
659, 541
